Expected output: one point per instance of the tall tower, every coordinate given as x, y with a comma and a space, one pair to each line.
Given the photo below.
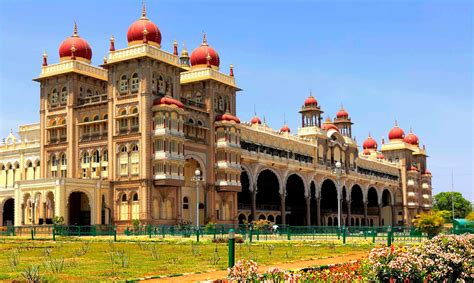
311, 113
343, 122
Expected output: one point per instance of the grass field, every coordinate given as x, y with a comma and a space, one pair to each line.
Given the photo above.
96, 260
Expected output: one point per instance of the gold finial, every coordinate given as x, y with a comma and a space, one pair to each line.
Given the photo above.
112, 39
73, 49
184, 51
231, 70
145, 31
175, 43
105, 59
143, 10
45, 55
208, 58
74, 33
204, 39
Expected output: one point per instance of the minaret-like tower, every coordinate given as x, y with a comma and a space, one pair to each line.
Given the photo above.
311, 113
343, 122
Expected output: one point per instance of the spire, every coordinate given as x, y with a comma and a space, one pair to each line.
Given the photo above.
204, 39
231, 71
254, 110
143, 10
74, 33
396, 123
175, 47
112, 43
45, 59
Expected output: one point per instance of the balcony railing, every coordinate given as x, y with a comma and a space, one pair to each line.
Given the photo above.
190, 102
92, 99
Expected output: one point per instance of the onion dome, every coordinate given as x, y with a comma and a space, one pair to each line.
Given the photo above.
184, 52
167, 100
285, 129
380, 156
342, 113
396, 133
369, 143
75, 47
366, 152
205, 55
256, 120
227, 117
328, 125
411, 138
413, 168
310, 101
427, 172
143, 30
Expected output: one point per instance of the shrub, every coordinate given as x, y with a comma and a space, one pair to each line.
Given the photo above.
244, 271
430, 223
14, 258
32, 274
261, 225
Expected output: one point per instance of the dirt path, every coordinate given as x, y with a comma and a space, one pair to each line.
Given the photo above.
222, 274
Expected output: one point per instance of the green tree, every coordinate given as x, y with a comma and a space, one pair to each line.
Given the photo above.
430, 223
443, 201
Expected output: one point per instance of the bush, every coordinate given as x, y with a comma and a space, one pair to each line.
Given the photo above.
430, 223
238, 240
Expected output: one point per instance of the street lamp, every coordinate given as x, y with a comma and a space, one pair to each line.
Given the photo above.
197, 178
338, 171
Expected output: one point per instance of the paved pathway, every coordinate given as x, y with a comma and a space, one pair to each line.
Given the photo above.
222, 274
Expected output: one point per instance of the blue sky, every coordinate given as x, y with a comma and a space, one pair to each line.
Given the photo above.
384, 60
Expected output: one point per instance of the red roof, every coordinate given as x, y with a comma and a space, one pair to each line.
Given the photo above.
227, 117
396, 133
413, 168
136, 32
168, 101
77, 44
380, 156
366, 152
328, 125
342, 113
256, 120
285, 129
369, 143
411, 138
310, 101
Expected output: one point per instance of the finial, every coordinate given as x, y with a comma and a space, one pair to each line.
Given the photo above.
112, 43
145, 33
254, 111
175, 47
105, 59
369, 135
383, 140
342, 106
143, 10
74, 33
231, 71
396, 123
284, 118
204, 39
73, 53
411, 129
264, 120
208, 59
310, 92
45, 59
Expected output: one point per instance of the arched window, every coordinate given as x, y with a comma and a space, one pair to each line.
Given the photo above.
63, 159
123, 85
81, 92
135, 82
54, 160
185, 203
134, 160
161, 86
191, 121
124, 197
105, 155
54, 97
198, 97
135, 148
106, 117
220, 103
63, 97
96, 118
88, 92
123, 161
86, 158
123, 149
169, 87
200, 123
96, 156
153, 83
135, 197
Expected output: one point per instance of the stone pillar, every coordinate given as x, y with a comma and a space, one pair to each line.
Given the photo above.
339, 208
349, 213
283, 208
394, 216
318, 211
253, 195
380, 214
366, 222
308, 211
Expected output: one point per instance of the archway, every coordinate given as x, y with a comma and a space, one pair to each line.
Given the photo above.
357, 202
295, 201
79, 209
387, 206
328, 199
8, 212
244, 197
189, 191
268, 192
242, 218
372, 204
344, 220
313, 204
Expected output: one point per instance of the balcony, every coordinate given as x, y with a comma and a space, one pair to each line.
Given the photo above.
162, 155
189, 102
92, 99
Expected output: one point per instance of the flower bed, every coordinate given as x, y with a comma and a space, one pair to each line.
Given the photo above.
445, 258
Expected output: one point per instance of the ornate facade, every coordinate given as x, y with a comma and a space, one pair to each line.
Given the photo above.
121, 141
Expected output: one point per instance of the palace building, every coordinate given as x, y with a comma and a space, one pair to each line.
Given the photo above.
122, 141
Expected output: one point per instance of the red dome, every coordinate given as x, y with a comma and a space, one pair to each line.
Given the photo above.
369, 143
136, 31
342, 113
168, 101
227, 117
366, 152
411, 138
81, 48
396, 133
285, 129
413, 168
310, 101
199, 55
380, 156
427, 172
256, 120
328, 125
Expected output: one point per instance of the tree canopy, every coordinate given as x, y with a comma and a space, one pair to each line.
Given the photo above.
443, 201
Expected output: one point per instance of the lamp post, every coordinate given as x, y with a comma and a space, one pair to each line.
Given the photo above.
197, 178
231, 260
338, 171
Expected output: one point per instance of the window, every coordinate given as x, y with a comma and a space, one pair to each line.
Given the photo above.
135, 82
134, 120
169, 87
96, 157
135, 197
63, 97
134, 160
88, 92
123, 161
54, 160
185, 203
63, 159
105, 155
220, 103
198, 97
86, 158
124, 197
54, 97
161, 86
123, 86
81, 92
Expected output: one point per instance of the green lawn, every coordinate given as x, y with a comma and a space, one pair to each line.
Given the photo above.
91, 259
